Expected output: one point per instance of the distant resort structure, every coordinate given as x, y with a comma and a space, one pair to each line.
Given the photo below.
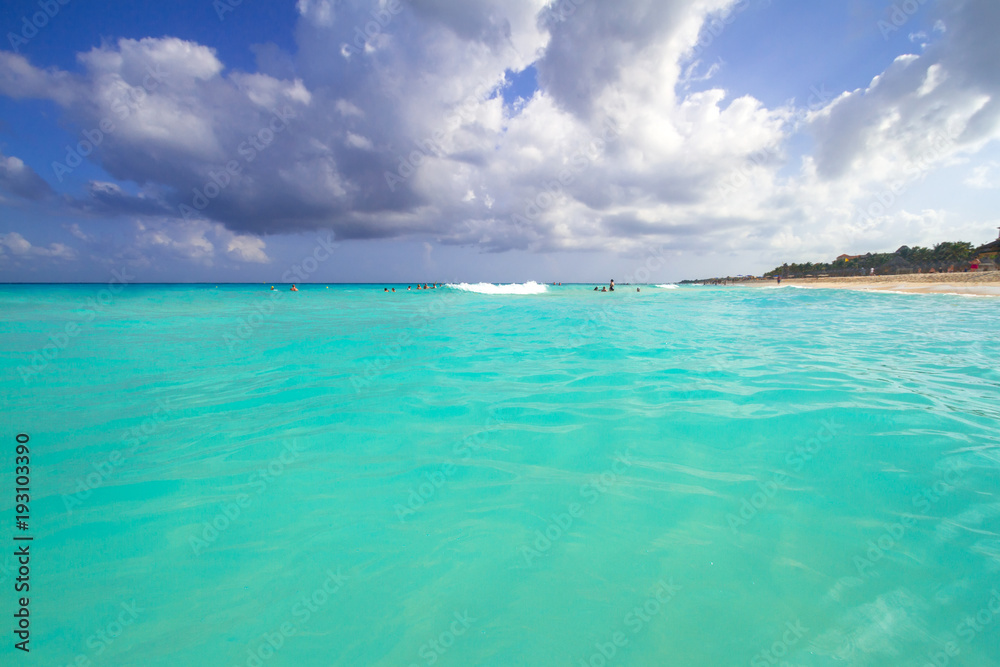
945, 257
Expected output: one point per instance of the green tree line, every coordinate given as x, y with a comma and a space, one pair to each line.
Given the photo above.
905, 260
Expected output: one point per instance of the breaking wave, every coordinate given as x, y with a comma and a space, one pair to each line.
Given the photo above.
489, 288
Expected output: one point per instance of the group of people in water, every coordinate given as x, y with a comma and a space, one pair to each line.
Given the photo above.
610, 288
408, 287
419, 286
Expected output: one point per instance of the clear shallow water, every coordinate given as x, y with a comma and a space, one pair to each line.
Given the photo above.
726, 476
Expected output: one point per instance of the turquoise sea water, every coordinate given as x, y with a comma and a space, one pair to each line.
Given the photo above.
694, 476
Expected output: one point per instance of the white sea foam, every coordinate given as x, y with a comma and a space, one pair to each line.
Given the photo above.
938, 293
668, 286
489, 288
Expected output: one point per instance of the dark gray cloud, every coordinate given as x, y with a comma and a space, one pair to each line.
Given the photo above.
21, 180
476, 21
593, 42
973, 56
108, 199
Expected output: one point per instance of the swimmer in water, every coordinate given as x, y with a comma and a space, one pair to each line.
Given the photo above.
294, 289
272, 288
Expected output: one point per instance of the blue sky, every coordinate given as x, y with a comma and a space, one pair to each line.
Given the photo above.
468, 141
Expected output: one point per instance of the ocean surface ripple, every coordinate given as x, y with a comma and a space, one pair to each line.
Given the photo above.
507, 475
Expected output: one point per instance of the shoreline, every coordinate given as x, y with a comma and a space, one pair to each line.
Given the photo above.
965, 284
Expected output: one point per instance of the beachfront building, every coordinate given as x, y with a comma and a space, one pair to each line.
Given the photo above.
987, 256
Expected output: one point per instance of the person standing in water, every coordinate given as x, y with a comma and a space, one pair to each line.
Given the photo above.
612, 288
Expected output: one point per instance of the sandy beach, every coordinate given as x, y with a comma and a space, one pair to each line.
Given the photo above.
976, 284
